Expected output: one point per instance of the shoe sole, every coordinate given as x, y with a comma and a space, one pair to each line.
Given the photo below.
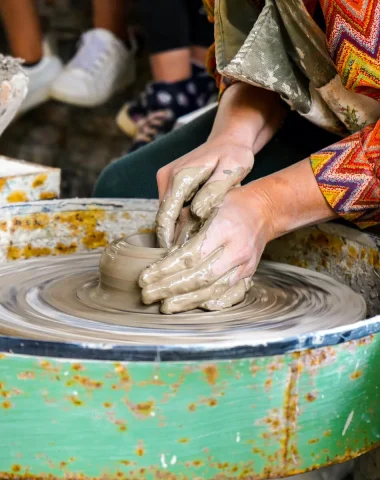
125, 123
64, 98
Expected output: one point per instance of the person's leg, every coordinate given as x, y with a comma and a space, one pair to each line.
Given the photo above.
24, 34
111, 15
104, 63
177, 88
167, 27
134, 176
23, 29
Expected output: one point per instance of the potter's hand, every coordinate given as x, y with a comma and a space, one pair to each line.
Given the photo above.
213, 269
247, 119
218, 165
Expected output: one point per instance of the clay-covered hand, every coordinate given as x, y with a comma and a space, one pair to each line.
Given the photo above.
204, 176
213, 269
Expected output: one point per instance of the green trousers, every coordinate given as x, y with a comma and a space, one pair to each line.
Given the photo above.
134, 176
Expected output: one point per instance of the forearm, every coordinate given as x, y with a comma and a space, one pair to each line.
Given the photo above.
289, 199
249, 115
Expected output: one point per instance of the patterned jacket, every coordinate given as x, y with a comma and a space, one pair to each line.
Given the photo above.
331, 77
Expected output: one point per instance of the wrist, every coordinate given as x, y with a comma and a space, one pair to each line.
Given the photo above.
246, 113
289, 199
233, 136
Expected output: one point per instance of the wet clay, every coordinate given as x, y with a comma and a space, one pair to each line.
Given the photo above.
120, 266
192, 283
185, 184
124, 259
40, 299
212, 194
183, 280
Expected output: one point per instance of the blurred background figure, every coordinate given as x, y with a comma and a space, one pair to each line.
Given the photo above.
179, 35
172, 36
23, 30
103, 65
105, 61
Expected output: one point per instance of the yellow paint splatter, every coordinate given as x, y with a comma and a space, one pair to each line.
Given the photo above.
313, 440
39, 180
62, 249
140, 452
17, 196
146, 230
357, 374
29, 251
95, 240
3, 182
145, 408
78, 367
31, 222
212, 374
183, 440
13, 253
48, 195
75, 400
80, 219
85, 222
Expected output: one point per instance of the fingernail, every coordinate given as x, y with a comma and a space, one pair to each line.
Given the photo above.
147, 297
141, 282
166, 308
147, 276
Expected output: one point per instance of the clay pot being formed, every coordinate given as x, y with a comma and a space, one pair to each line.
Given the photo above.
120, 266
123, 260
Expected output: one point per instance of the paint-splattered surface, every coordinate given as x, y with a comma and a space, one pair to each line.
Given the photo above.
21, 182
69, 226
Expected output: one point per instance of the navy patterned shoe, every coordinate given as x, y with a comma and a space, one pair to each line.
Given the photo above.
200, 85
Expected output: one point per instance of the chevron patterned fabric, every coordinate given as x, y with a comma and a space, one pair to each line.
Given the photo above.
348, 173
353, 41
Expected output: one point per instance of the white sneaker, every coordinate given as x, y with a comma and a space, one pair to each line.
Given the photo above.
101, 67
41, 76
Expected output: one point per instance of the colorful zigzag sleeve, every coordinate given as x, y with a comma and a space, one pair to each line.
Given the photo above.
348, 174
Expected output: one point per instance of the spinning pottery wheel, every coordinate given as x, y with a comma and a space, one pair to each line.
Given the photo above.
105, 398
